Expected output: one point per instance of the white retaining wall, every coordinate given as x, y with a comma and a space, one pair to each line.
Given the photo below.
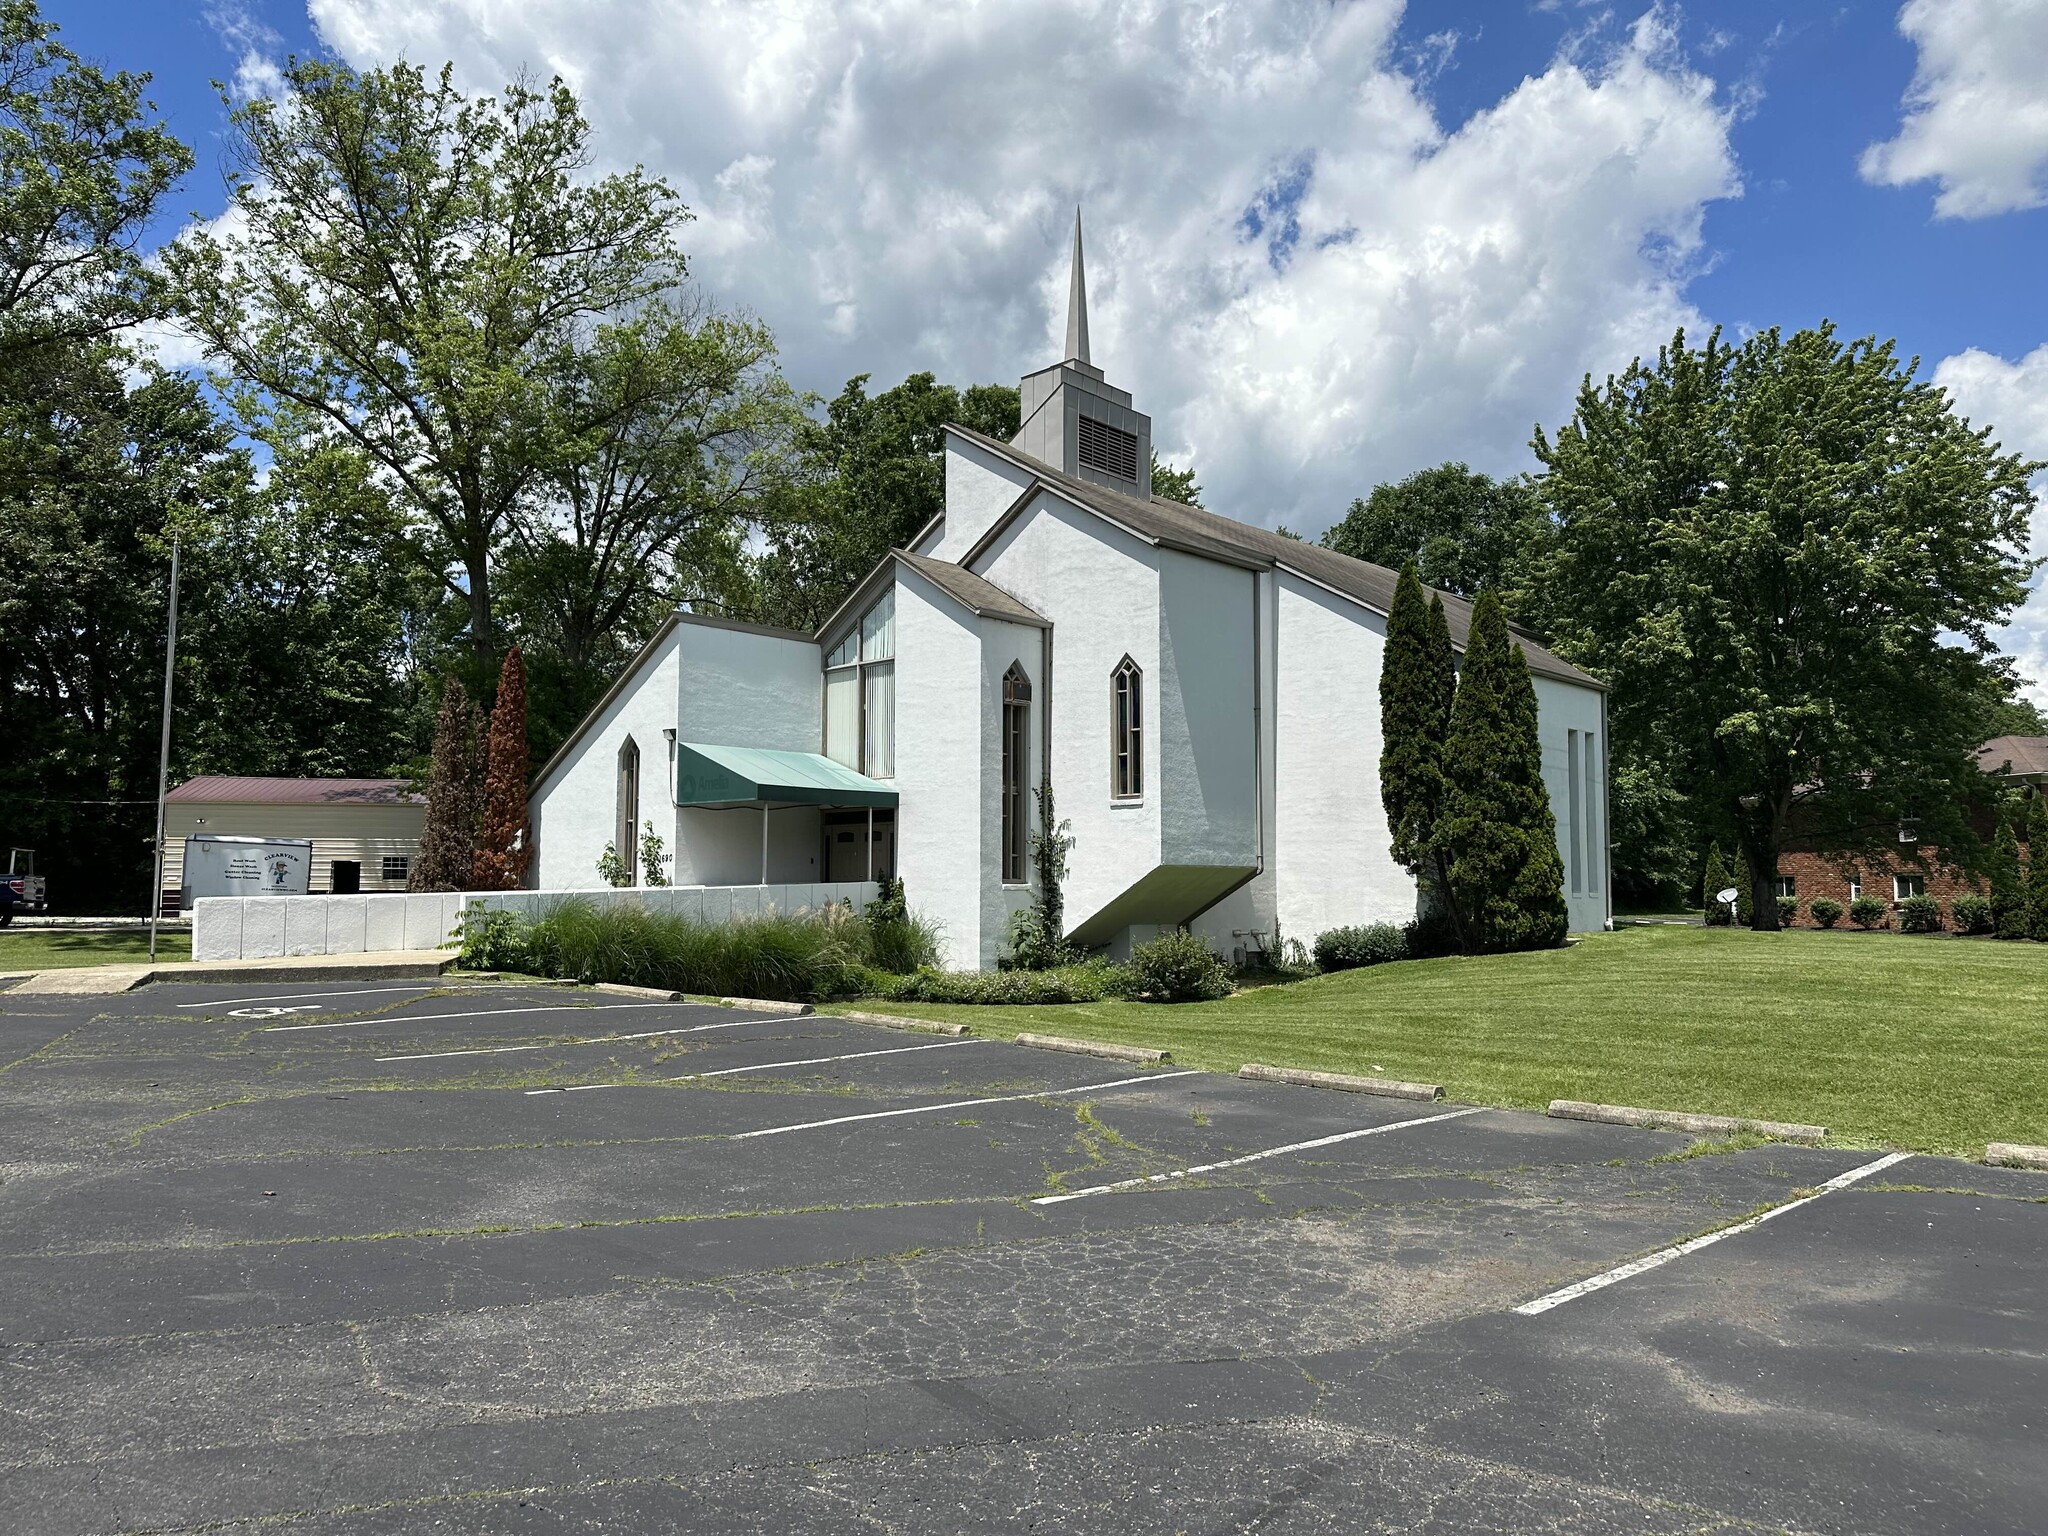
266, 927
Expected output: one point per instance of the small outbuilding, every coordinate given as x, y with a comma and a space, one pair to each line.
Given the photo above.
365, 832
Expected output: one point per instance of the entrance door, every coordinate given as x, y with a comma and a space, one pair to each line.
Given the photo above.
345, 877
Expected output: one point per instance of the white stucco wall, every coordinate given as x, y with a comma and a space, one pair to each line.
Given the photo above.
1563, 707
1330, 859
1208, 773
711, 683
1002, 644
979, 489
574, 811
1100, 587
939, 765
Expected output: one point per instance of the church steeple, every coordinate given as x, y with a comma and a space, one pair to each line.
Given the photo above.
1077, 303
1073, 419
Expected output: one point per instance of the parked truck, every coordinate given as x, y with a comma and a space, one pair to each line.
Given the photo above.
21, 888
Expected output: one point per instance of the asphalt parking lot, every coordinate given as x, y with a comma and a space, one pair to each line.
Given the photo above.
372, 1257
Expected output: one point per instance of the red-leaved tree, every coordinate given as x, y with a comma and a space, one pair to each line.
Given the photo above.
501, 860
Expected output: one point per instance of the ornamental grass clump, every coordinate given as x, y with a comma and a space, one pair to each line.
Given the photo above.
797, 957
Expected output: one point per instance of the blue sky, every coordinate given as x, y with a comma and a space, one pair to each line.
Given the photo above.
1329, 244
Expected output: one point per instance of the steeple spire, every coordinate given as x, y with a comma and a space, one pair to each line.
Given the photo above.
1077, 302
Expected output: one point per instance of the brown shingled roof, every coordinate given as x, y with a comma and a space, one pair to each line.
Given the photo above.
229, 789
975, 593
2028, 756
1197, 531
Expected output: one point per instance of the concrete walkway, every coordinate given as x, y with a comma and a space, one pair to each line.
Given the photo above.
91, 980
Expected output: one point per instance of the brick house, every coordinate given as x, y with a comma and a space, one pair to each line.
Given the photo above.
2017, 761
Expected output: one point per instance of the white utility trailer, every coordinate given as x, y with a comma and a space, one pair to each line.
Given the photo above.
216, 865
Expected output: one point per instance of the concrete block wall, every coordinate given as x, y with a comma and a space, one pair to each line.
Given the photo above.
265, 927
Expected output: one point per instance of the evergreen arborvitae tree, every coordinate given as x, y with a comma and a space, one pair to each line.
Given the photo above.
503, 854
2037, 866
1505, 874
2008, 892
447, 860
1417, 682
1712, 883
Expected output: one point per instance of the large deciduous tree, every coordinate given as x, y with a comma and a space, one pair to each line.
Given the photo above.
1506, 877
1464, 531
874, 475
406, 263
1787, 557
84, 167
689, 428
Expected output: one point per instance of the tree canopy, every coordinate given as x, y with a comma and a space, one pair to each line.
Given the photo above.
1788, 556
1464, 531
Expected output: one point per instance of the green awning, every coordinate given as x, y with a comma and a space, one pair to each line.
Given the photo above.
708, 775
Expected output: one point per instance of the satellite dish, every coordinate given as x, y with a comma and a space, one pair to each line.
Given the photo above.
1726, 896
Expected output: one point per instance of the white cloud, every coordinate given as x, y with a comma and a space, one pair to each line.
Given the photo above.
1976, 115
890, 185
2012, 399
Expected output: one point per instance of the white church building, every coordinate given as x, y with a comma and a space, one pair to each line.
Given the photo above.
1201, 693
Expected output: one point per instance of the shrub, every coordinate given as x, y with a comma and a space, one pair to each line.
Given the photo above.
1713, 881
1090, 981
1971, 913
2008, 890
1035, 945
1867, 912
898, 941
1825, 910
1344, 949
493, 940
1920, 914
1177, 967
1788, 911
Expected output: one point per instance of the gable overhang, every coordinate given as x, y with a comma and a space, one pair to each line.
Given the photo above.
631, 670
710, 776
1067, 498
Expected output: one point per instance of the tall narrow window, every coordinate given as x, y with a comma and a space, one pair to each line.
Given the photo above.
1016, 763
1576, 814
1127, 731
1596, 850
628, 809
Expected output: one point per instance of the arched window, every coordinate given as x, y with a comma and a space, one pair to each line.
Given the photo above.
1127, 731
1016, 763
624, 838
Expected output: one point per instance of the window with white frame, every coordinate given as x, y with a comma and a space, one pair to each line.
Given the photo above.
1016, 764
1909, 831
397, 866
860, 694
1784, 885
626, 807
1855, 887
1127, 731
1904, 886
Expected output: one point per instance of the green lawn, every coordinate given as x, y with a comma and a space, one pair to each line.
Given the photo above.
45, 949
1934, 1044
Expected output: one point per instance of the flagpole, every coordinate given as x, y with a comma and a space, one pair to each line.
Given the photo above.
163, 761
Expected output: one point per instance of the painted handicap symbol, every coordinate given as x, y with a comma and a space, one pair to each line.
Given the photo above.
271, 1013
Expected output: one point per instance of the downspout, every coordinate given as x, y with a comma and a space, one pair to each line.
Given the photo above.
1258, 766
1606, 825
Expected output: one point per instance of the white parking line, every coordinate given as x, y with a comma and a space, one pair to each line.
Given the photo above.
556, 1045
932, 1109
487, 1013
1663, 1256
763, 1066
1253, 1157
293, 997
